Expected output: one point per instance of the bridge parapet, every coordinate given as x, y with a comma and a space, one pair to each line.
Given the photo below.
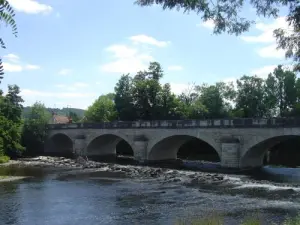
181, 124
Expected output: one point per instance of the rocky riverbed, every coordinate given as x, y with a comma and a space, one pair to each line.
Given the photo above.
221, 183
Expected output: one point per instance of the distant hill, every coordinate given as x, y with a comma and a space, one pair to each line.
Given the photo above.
63, 111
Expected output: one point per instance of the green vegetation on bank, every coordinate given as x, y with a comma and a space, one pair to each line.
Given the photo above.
4, 159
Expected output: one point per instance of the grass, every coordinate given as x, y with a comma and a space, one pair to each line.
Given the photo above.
4, 159
217, 220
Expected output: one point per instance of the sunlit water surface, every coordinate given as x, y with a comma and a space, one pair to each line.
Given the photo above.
46, 200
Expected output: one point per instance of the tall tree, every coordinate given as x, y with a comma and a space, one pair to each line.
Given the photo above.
10, 121
226, 16
270, 100
250, 95
12, 104
124, 98
211, 97
145, 92
169, 104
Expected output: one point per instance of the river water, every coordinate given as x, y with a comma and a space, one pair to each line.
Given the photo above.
272, 194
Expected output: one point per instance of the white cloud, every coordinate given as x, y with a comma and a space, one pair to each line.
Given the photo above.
271, 52
126, 60
73, 86
264, 71
32, 67
132, 57
30, 6
12, 57
175, 68
59, 98
207, 24
178, 88
64, 72
9, 67
266, 37
267, 31
122, 51
144, 39
15, 65
28, 92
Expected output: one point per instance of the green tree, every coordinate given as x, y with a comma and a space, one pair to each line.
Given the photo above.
169, 104
250, 95
34, 129
196, 110
74, 116
226, 15
7, 17
211, 97
10, 133
270, 100
281, 91
102, 110
146, 90
124, 98
12, 106
10, 121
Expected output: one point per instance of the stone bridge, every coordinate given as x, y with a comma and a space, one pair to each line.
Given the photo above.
240, 143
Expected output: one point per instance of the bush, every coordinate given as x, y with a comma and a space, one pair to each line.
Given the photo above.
4, 159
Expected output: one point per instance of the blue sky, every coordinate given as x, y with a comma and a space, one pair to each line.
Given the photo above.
68, 54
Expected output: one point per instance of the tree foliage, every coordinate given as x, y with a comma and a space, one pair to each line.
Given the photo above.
226, 15
102, 110
34, 129
7, 17
144, 97
10, 121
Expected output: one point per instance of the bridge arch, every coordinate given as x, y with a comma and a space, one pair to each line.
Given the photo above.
104, 146
59, 144
255, 153
167, 147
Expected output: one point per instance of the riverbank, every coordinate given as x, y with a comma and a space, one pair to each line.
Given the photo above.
11, 178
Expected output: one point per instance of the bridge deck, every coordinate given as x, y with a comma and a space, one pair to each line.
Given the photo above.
181, 124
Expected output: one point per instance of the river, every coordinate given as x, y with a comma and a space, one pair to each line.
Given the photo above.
48, 199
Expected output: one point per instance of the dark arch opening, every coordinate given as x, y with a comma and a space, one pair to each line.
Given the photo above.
285, 153
280, 150
196, 149
183, 150
59, 145
110, 147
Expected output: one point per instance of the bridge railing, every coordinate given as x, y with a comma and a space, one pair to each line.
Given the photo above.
180, 124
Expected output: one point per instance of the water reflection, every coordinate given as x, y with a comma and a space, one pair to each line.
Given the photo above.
277, 174
9, 212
